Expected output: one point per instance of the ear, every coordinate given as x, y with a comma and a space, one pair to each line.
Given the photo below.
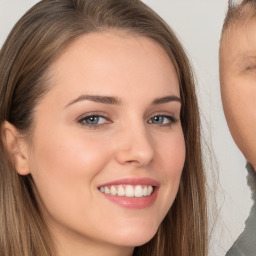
16, 146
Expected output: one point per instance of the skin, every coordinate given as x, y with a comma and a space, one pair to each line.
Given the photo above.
69, 160
238, 90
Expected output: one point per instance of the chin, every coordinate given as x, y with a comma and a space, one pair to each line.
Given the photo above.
137, 237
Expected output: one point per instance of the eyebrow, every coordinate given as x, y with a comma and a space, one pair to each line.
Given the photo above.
116, 101
166, 100
96, 98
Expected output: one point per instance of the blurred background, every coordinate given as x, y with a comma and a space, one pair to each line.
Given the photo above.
198, 25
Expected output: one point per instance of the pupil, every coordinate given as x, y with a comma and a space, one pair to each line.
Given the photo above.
158, 119
93, 120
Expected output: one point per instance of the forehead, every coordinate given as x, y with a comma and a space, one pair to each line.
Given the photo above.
112, 63
112, 46
238, 45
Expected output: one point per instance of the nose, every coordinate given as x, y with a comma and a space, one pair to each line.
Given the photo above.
135, 146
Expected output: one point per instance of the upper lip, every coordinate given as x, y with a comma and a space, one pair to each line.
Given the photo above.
132, 181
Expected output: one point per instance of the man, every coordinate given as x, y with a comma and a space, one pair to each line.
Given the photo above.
238, 90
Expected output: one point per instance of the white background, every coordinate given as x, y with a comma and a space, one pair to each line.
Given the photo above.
198, 25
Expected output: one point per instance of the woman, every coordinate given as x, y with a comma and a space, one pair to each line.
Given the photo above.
100, 145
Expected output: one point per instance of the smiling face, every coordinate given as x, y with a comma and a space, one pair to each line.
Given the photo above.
107, 146
238, 85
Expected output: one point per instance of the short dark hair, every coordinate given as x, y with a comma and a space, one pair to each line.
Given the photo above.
239, 13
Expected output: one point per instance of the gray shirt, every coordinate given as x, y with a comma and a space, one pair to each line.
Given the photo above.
245, 245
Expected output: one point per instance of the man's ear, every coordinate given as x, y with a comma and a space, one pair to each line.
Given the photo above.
16, 147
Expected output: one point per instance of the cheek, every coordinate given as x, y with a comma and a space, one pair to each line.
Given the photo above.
240, 110
171, 157
64, 167
171, 153
238, 96
69, 154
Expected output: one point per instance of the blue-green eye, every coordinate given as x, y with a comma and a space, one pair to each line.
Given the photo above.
93, 120
162, 120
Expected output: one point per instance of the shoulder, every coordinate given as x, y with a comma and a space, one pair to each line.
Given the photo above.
251, 180
235, 251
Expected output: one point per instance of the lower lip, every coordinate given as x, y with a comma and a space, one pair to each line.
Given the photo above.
133, 202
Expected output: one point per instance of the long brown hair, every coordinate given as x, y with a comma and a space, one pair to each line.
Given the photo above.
38, 38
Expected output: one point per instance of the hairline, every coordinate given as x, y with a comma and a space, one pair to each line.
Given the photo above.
240, 16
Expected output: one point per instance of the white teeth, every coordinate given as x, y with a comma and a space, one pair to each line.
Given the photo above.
120, 191
107, 190
128, 190
150, 190
113, 191
145, 191
138, 191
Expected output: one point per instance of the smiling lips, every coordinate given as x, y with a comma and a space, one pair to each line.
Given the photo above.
128, 190
131, 193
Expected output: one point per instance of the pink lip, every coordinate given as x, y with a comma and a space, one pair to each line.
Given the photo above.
133, 181
133, 202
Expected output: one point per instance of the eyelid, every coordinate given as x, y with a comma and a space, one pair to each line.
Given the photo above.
81, 118
172, 118
250, 68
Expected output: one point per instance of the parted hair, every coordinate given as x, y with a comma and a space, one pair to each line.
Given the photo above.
34, 43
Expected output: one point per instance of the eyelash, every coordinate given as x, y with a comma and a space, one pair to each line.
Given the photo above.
84, 120
171, 120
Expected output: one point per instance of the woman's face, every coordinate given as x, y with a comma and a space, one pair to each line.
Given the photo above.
108, 148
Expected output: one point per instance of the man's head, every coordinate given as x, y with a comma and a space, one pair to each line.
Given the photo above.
238, 75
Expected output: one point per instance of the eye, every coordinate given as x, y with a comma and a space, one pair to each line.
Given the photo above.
250, 68
163, 120
93, 120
